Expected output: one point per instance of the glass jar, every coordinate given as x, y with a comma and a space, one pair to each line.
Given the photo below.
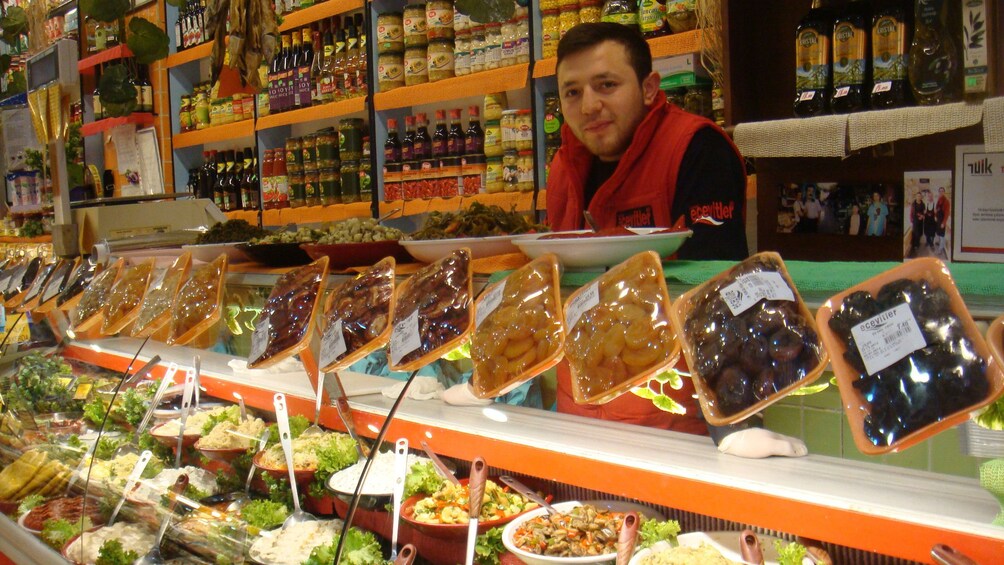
549, 5
390, 70
461, 22
508, 44
440, 59
227, 113
568, 17
508, 129
294, 155
493, 175
477, 49
590, 11
350, 181
365, 179
327, 148
308, 147
311, 187
510, 170
462, 53
624, 12
185, 114
523, 130
495, 103
330, 181
415, 29
392, 182
350, 139
550, 25
439, 19
525, 171
493, 45
390, 32
523, 39
416, 66
552, 120
681, 15
676, 96
652, 18
698, 100
297, 190
493, 138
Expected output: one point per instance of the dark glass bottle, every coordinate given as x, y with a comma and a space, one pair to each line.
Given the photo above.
306, 64
235, 169
296, 71
934, 57
422, 147
220, 180
392, 147
440, 148
813, 77
892, 23
455, 140
474, 140
108, 184
145, 90
249, 181
408, 142
99, 112
851, 47
207, 177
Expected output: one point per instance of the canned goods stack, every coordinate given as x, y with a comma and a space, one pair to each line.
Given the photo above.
559, 16
202, 109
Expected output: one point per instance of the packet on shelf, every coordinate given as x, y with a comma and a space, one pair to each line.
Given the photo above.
283, 326
78, 282
94, 298
519, 328
618, 329
31, 293
357, 319
908, 358
155, 311
433, 313
124, 300
748, 338
52, 287
197, 306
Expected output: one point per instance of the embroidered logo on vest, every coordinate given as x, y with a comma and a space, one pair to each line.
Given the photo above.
641, 217
712, 214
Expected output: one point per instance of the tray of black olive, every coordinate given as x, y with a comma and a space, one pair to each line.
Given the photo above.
745, 355
290, 311
930, 382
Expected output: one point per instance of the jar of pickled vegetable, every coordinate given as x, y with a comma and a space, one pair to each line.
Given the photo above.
185, 114
590, 11
331, 185
350, 181
523, 130
327, 148
440, 59
308, 148
439, 19
493, 175
390, 32
523, 39
493, 45
311, 187
294, 155
681, 15
390, 70
524, 166
508, 127
297, 190
550, 24
477, 48
493, 138
350, 139
415, 28
510, 170
462, 53
365, 180
416, 65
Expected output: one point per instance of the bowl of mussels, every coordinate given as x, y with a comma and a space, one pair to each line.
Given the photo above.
908, 358
748, 338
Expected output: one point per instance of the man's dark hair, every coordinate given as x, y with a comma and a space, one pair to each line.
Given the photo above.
588, 35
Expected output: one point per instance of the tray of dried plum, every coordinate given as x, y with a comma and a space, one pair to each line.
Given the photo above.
619, 333
283, 327
155, 309
434, 312
908, 358
70, 295
94, 299
360, 309
748, 338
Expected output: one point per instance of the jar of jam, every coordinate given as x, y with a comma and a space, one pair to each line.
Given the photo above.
350, 181
331, 185
416, 65
294, 155
350, 139
327, 148
311, 187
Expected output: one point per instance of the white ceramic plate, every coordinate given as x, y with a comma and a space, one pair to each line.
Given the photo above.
533, 559
431, 250
602, 251
725, 542
208, 252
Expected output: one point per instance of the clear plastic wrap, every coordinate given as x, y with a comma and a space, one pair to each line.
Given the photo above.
81, 278
155, 311
94, 299
907, 355
125, 298
433, 313
57, 282
283, 327
363, 306
618, 328
31, 294
197, 307
21, 284
13, 276
748, 338
520, 328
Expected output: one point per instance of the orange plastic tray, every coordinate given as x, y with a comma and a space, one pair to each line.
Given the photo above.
386, 265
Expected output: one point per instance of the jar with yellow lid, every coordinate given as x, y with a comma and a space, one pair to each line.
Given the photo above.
493, 138
524, 165
493, 175
523, 130
495, 103
550, 24
440, 60
416, 65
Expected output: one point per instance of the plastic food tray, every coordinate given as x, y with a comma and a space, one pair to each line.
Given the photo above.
175, 274
140, 275
101, 283
381, 274
213, 295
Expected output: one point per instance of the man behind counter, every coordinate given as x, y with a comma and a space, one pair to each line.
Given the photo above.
633, 159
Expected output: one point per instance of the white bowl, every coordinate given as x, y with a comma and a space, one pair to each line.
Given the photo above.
432, 250
727, 543
533, 558
208, 252
602, 251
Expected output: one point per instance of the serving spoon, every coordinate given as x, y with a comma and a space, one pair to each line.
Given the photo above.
528, 492
242, 500
153, 556
282, 419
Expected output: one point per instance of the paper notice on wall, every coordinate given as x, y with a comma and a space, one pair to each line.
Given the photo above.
979, 205
126, 154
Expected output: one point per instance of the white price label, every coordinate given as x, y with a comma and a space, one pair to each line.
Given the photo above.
842, 91
749, 289
885, 339
333, 343
884, 86
489, 303
259, 339
405, 338
583, 302
807, 95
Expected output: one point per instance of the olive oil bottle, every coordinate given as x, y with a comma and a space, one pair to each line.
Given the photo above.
851, 69
934, 56
892, 22
813, 77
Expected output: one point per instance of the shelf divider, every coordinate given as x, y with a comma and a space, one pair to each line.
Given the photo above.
312, 113
225, 132
512, 77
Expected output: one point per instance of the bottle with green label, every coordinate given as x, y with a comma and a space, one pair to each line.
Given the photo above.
850, 58
813, 79
552, 120
892, 22
652, 18
624, 12
934, 57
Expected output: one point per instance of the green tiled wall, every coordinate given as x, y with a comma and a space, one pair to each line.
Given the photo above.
818, 419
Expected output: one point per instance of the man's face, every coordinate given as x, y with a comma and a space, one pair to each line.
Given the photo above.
876, 197
941, 191
812, 194
602, 100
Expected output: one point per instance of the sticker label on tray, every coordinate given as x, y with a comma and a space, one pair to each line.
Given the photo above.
332, 344
405, 338
259, 339
489, 303
751, 288
158, 278
885, 339
583, 302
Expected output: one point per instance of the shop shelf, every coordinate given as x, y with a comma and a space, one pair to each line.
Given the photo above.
188, 55
332, 213
519, 201
313, 113
87, 64
512, 77
318, 12
249, 216
666, 46
31, 240
271, 218
226, 132
141, 119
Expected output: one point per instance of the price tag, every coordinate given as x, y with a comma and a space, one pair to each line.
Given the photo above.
749, 289
259, 339
583, 302
884, 86
842, 91
405, 338
489, 303
333, 343
807, 95
885, 339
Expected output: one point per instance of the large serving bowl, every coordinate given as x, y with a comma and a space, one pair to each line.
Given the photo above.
726, 543
432, 250
600, 251
303, 476
451, 531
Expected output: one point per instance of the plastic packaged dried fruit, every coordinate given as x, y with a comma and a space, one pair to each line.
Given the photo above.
57, 283
155, 311
197, 306
125, 298
434, 312
21, 282
30, 296
908, 358
362, 307
748, 338
69, 296
283, 326
618, 329
94, 300
519, 328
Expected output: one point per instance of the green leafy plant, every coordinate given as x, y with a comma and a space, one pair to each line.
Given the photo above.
31, 228
790, 554
660, 399
338, 453
41, 385
108, 11
112, 553
118, 94
488, 547
422, 478
360, 548
264, 514
653, 531
55, 533
147, 41
14, 24
29, 502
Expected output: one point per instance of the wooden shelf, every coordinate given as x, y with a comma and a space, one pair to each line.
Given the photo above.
520, 201
87, 64
249, 216
312, 113
226, 132
26, 240
317, 214
665, 46
513, 77
318, 12
140, 119
188, 55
